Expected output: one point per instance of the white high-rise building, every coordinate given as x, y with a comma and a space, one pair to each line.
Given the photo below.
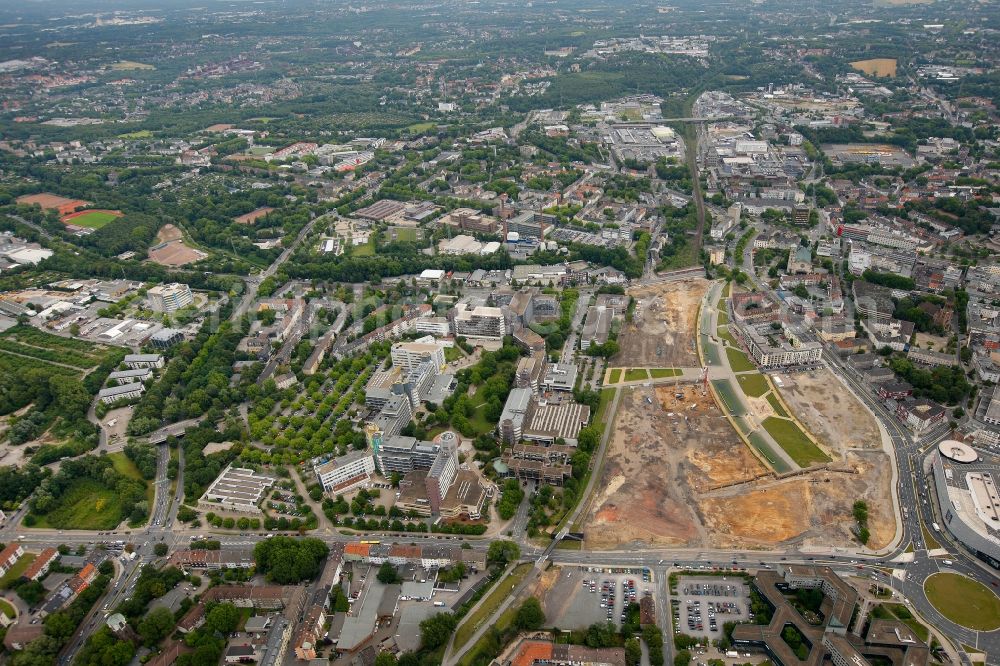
169, 297
479, 322
408, 355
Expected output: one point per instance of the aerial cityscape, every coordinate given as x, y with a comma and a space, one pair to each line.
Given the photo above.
500, 332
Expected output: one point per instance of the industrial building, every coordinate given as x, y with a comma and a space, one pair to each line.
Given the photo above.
596, 326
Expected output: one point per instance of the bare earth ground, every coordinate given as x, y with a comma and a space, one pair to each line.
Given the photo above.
655, 464
663, 331
171, 250
830, 412
168, 232
813, 509
675, 481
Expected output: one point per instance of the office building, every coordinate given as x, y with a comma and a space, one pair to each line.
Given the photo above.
479, 322
408, 355
169, 297
345, 473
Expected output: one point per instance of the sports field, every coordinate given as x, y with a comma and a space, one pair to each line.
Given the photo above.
92, 219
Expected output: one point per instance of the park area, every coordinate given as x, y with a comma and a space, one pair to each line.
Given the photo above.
964, 601
662, 332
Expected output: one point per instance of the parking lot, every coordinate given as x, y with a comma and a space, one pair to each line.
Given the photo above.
707, 603
585, 595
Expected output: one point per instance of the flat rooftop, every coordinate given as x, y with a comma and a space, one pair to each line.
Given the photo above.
238, 485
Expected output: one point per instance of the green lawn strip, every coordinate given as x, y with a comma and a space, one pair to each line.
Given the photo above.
636, 374
964, 601
776, 405
7, 609
126, 467
607, 397
906, 617
452, 354
723, 317
615, 375
754, 384
723, 334
366, 250
15, 571
932, 543
490, 603
86, 505
504, 621
728, 289
738, 361
795, 443
661, 373
710, 351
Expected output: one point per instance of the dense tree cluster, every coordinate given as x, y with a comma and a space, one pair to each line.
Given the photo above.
287, 561
130, 493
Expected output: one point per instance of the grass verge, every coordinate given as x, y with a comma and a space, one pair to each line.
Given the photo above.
615, 375
489, 605
662, 373
776, 405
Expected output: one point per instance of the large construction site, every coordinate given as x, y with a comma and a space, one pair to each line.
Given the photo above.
676, 473
658, 335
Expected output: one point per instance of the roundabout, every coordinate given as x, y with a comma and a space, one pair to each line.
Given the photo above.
964, 601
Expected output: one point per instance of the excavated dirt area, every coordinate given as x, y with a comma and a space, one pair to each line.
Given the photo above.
677, 474
830, 411
662, 333
663, 451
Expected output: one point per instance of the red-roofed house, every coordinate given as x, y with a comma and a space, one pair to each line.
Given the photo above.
9, 557
41, 565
